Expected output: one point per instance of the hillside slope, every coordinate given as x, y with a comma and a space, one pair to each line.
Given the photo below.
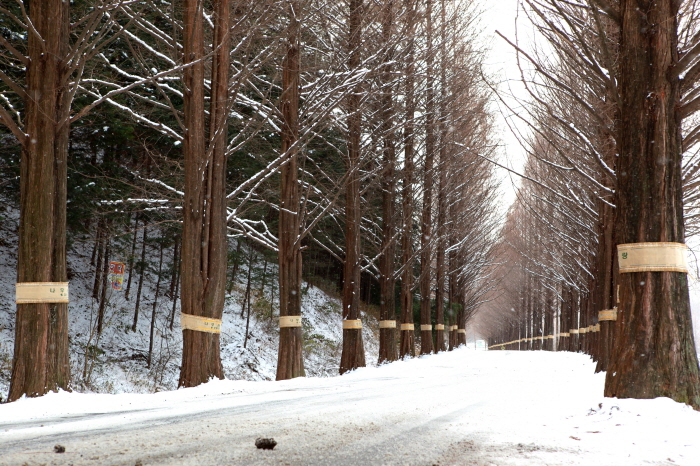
116, 360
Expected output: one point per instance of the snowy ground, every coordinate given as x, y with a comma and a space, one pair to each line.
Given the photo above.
461, 408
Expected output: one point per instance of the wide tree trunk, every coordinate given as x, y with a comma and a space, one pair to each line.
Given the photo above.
654, 353
40, 361
290, 363
204, 246
353, 353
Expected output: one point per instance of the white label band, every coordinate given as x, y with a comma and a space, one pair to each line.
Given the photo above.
426, 328
387, 324
652, 257
352, 324
200, 324
462, 330
290, 321
407, 327
41, 292
607, 315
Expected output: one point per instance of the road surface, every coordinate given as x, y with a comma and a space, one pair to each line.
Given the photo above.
454, 409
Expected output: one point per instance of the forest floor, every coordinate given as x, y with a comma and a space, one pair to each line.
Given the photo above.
464, 407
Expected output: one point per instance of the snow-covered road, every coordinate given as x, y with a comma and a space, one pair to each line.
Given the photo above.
465, 408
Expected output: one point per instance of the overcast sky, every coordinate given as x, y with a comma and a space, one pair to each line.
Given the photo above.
501, 15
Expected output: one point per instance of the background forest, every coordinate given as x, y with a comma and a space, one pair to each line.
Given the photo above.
393, 122
239, 157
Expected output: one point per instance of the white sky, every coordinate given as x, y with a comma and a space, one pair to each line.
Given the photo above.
501, 63
501, 15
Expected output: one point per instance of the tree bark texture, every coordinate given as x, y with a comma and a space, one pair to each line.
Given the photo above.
40, 361
604, 279
654, 354
139, 288
387, 281
204, 246
353, 353
154, 308
443, 168
426, 277
408, 336
290, 363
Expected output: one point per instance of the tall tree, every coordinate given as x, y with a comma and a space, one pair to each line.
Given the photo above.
426, 340
353, 354
387, 280
289, 358
443, 167
40, 360
655, 353
204, 246
407, 332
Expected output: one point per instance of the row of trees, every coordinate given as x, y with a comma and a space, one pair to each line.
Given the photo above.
348, 129
612, 160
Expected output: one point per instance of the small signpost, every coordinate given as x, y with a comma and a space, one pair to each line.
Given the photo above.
116, 275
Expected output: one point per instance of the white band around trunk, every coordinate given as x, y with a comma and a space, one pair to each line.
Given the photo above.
290, 321
352, 324
200, 324
652, 257
387, 324
41, 292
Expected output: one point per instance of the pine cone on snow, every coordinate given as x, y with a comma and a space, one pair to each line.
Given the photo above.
265, 443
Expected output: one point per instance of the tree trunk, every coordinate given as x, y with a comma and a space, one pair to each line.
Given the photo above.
204, 245
246, 293
426, 278
174, 269
100, 248
246, 297
40, 362
654, 355
154, 308
387, 282
550, 317
104, 284
290, 362
142, 267
353, 354
130, 265
452, 318
461, 323
443, 169
408, 334
605, 277
175, 296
